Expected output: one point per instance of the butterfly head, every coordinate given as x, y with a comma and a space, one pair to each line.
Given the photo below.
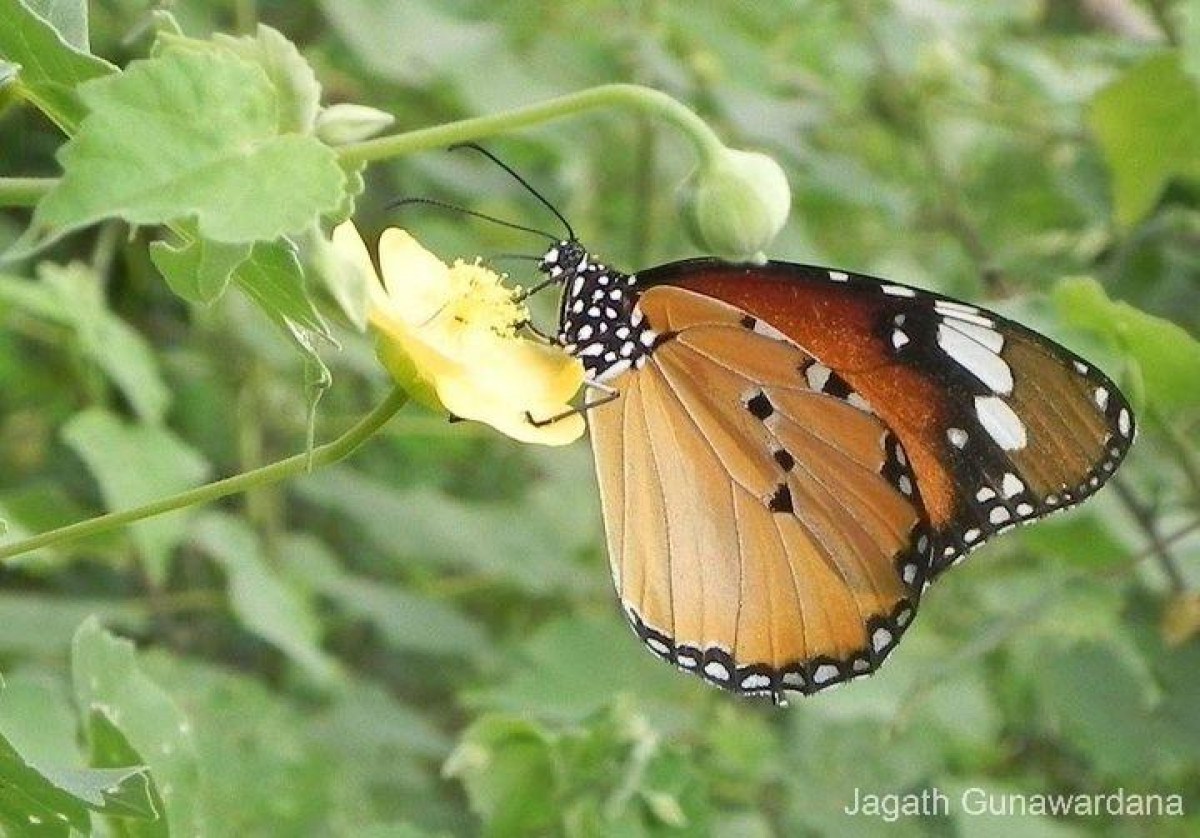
564, 259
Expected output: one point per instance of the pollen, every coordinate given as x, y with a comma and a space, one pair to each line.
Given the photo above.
478, 299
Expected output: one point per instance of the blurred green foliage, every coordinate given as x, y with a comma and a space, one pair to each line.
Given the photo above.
423, 640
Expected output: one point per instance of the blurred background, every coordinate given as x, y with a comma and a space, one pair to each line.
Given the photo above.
423, 640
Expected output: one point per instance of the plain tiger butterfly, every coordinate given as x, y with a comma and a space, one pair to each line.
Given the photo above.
788, 455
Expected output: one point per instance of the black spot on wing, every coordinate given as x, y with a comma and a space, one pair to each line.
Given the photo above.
759, 406
781, 500
786, 461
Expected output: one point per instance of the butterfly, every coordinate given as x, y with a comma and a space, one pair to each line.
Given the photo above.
788, 455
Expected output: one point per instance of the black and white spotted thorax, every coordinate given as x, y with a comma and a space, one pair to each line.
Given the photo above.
599, 321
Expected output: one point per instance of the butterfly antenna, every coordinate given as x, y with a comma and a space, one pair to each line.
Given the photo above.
523, 257
455, 208
566, 224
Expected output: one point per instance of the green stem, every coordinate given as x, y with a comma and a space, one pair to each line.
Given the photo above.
635, 96
24, 191
330, 452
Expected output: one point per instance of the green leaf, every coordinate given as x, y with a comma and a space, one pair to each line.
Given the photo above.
37, 715
1168, 358
110, 747
115, 696
52, 803
405, 620
72, 296
265, 604
296, 86
122, 353
188, 136
264, 771
272, 277
68, 17
508, 768
51, 66
1148, 126
136, 464
198, 271
38, 755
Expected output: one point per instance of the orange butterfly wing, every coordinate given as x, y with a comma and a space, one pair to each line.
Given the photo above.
1001, 424
761, 532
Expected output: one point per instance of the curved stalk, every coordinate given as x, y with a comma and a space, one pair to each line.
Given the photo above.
634, 96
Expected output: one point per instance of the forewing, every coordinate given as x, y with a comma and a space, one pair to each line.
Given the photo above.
1001, 424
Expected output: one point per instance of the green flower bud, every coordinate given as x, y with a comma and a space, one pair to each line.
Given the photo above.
349, 123
736, 203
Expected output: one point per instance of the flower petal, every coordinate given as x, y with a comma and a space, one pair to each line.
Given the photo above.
510, 377
478, 397
417, 282
352, 252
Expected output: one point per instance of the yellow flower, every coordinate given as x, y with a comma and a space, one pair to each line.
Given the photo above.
448, 335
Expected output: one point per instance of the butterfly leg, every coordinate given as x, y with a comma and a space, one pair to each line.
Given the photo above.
525, 293
528, 326
609, 394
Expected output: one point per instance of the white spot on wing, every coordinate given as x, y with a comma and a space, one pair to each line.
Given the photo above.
1001, 422
1011, 485
899, 338
756, 681
961, 312
999, 515
658, 646
951, 307
1124, 422
979, 360
825, 672
765, 329
839, 276
990, 338
957, 437
817, 375
716, 670
859, 402
1101, 397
